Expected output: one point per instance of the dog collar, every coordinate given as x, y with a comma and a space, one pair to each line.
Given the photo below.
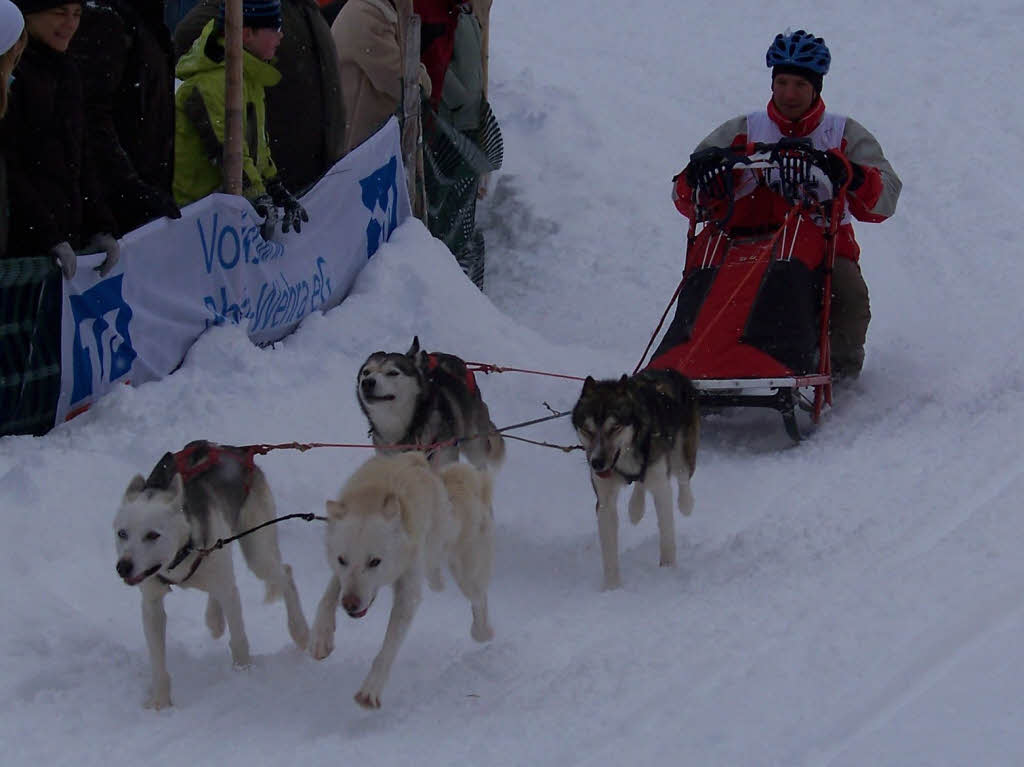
183, 552
178, 559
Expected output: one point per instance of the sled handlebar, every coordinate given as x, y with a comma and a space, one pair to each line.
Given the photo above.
710, 171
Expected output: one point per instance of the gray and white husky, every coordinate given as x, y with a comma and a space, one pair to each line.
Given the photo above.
645, 430
191, 499
421, 398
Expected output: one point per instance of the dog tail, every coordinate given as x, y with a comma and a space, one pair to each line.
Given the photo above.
463, 482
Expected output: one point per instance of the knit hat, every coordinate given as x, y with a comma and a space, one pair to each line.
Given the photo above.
35, 6
11, 24
258, 14
814, 78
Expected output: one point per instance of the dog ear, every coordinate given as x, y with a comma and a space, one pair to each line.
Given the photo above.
415, 348
335, 509
623, 383
135, 487
390, 506
588, 384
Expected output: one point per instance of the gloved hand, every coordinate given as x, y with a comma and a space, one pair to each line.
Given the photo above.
709, 173
66, 258
107, 243
265, 207
157, 203
837, 170
815, 184
292, 212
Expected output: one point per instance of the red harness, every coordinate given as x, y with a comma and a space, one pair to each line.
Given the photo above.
433, 364
189, 469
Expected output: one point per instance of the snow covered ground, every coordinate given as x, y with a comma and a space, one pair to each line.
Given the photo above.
854, 600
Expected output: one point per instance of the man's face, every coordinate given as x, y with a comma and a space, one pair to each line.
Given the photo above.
793, 95
55, 26
262, 42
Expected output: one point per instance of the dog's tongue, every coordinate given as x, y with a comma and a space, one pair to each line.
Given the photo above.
137, 579
604, 474
359, 614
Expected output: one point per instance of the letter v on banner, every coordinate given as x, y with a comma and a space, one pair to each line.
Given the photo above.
211, 268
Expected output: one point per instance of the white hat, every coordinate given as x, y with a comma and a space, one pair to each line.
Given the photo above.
11, 24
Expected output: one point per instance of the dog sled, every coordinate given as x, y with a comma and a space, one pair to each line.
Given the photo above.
751, 327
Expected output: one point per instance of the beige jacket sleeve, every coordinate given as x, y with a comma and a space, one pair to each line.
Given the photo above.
367, 37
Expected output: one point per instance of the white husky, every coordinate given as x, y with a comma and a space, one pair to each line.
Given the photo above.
394, 522
162, 523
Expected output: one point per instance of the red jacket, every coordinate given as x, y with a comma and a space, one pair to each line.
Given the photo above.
873, 200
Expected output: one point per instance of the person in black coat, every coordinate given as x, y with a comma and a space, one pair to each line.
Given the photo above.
57, 203
123, 50
305, 118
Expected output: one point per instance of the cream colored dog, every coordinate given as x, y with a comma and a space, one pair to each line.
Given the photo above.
395, 522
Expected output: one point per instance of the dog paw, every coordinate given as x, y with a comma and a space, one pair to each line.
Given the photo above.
611, 583
322, 643
367, 699
481, 632
667, 561
158, 700
240, 658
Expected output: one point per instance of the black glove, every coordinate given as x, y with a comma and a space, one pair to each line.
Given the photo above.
267, 210
157, 203
710, 172
292, 212
836, 171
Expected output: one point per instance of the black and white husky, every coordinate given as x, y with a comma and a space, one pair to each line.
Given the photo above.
421, 398
191, 499
645, 430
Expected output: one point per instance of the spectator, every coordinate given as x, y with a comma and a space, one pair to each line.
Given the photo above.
12, 43
123, 50
199, 144
461, 136
369, 36
57, 206
305, 147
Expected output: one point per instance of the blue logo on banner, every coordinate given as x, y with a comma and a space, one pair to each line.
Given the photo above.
380, 196
102, 337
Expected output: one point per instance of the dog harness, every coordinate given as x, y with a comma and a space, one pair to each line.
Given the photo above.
189, 468
433, 363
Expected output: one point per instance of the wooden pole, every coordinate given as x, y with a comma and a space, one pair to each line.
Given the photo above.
412, 127
232, 167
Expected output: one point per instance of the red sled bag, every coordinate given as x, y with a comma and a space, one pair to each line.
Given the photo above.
753, 306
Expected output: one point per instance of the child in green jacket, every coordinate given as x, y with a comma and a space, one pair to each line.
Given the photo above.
199, 115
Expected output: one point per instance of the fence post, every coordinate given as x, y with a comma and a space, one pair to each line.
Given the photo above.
232, 164
412, 126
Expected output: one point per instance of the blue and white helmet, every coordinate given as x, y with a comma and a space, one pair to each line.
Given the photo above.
800, 50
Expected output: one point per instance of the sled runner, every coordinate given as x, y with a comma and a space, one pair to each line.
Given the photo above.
752, 310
